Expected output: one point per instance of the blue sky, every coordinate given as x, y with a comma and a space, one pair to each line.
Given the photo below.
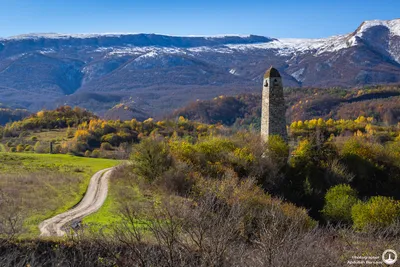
290, 18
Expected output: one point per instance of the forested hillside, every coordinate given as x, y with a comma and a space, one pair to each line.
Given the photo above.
380, 102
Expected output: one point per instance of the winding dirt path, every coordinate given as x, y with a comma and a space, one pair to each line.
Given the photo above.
94, 198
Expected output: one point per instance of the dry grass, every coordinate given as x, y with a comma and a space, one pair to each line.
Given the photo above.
38, 195
43, 185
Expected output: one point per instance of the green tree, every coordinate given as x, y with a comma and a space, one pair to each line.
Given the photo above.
150, 158
338, 203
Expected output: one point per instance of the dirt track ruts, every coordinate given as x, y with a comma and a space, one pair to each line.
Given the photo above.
94, 198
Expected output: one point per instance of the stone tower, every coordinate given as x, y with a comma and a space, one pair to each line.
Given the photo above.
273, 121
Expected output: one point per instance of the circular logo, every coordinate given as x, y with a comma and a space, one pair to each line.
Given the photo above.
389, 256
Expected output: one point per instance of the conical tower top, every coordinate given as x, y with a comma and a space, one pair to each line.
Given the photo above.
272, 73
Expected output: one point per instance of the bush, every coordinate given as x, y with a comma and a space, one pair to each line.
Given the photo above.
368, 161
13, 149
70, 132
57, 148
20, 148
88, 153
378, 212
338, 203
277, 148
150, 158
96, 153
112, 138
106, 146
41, 148
23, 134
34, 138
179, 179
28, 148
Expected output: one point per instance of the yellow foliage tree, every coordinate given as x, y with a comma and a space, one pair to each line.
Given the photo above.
40, 114
81, 135
320, 122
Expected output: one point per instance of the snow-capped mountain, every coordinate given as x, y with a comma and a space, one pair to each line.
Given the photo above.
159, 72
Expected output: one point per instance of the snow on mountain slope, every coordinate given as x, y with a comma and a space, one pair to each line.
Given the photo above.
392, 25
158, 69
34, 36
381, 35
287, 47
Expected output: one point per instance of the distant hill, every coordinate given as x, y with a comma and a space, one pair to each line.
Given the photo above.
380, 102
123, 112
9, 115
158, 73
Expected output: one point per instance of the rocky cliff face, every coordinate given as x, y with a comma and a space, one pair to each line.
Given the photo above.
155, 73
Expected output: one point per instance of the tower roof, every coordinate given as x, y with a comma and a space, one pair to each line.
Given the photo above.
272, 73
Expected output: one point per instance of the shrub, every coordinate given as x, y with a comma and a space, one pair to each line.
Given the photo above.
70, 133
112, 138
28, 148
369, 160
57, 148
88, 153
212, 148
277, 148
23, 134
260, 208
20, 148
106, 146
378, 212
96, 153
337, 173
179, 179
302, 154
34, 138
150, 158
40, 148
338, 203
13, 149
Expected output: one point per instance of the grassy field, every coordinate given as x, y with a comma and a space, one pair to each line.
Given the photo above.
124, 189
44, 136
43, 185
50, 135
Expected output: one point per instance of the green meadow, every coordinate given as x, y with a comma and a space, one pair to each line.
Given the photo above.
43, 185
125, 189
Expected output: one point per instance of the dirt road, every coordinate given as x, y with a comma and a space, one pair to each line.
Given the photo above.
94, 198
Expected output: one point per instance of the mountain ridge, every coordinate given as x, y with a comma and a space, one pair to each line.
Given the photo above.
158, 73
